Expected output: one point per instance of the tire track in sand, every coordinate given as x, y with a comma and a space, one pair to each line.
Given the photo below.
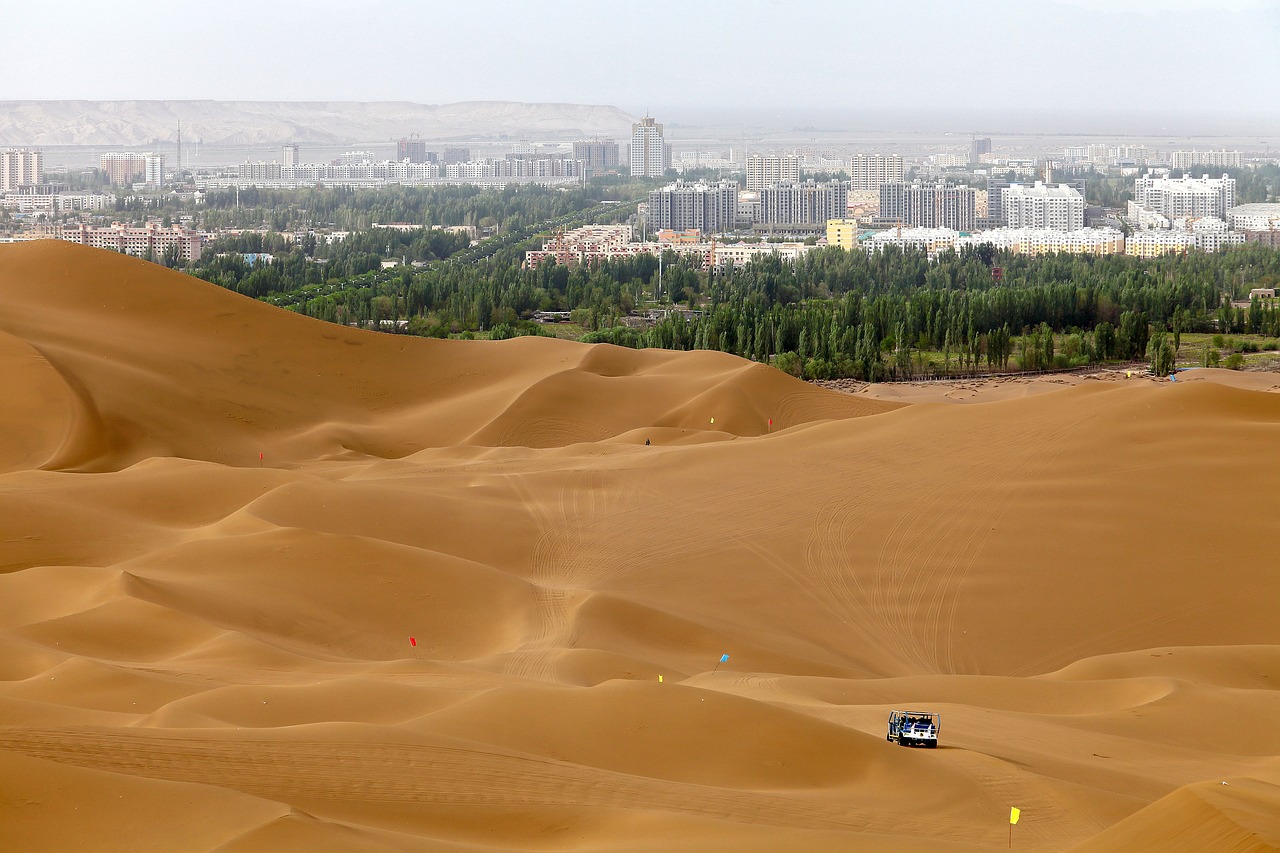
306, 772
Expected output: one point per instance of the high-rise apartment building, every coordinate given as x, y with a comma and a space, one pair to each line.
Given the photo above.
598, 155
869, 171
939, 205
289, 155
455, 155
1186, 197
18, 167
1056, 207
808, 203
979, 147
1223, 159
123, 167
767, 170
153, 169
650, 155
710, 208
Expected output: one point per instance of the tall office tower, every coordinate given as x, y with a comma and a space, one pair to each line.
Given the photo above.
650, 155
153, 169
809, 203
710, 208
979, 147
1223, 159
1058, 208
20, 167
598, 155
869, 171
939, 205
1193, 197
123, 167
767, 170
289, 154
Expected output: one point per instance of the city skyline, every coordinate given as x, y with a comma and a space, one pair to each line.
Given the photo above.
753, 60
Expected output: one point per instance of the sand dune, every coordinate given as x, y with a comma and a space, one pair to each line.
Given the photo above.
202, 649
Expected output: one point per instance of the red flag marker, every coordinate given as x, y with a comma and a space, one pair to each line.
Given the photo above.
413, 642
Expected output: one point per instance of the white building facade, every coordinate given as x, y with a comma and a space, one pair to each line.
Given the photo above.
1186, 197
869, 171
650, 155
766, 170
18, 167
1060, 208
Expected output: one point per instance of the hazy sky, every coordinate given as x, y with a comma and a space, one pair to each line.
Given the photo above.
1195, 56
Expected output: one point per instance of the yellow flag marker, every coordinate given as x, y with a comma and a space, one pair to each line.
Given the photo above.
659, 679
1014, 814
713, 420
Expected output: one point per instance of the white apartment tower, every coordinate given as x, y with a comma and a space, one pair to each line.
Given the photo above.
1186, 197
770, 170
869, 171
153, 170
1223, 159
20, 167
1059, 208
289, 155
650, 155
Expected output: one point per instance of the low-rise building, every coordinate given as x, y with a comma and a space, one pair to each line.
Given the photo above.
1254, 217
1044, 241
148, 241
929, 240
1153, 244
842, 233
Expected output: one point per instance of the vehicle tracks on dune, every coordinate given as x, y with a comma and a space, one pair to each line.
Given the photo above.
313, 772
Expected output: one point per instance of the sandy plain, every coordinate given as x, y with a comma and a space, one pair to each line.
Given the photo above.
221, 523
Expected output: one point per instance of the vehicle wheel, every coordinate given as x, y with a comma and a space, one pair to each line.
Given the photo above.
933, 744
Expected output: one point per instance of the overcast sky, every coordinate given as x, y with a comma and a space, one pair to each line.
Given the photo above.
1197, 56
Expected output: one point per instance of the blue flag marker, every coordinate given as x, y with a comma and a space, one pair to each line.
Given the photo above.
723, 658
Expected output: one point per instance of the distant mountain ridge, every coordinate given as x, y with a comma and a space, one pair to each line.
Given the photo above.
142, 123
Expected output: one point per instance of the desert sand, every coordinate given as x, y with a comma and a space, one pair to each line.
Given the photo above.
221, 524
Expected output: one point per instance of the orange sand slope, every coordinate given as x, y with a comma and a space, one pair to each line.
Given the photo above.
205, 651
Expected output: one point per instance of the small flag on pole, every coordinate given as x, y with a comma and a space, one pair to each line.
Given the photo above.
413, 641
713, 420
1014, 814
659, 679
725, 659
